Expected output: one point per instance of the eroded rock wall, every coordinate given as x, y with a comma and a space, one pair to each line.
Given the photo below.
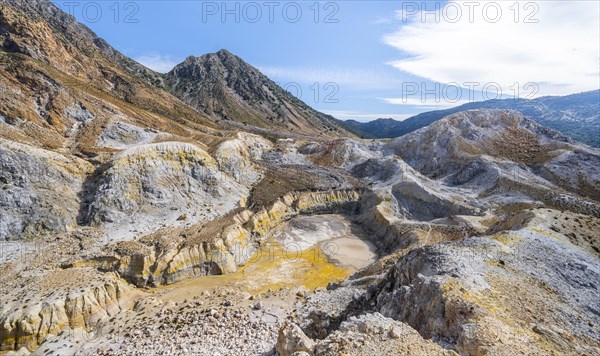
66, 309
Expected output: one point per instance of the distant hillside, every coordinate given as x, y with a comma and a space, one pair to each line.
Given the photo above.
577, 116
380, 128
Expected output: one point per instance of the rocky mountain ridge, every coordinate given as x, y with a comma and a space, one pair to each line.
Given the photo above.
576, 116
227, 88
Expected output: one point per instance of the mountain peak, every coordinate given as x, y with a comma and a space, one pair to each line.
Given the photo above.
225, 87
222, 53
225, 53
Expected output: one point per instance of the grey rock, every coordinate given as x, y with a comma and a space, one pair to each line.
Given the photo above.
292, 339
38, 191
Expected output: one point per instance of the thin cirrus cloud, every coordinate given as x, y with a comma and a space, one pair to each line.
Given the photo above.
157, 62
554, 44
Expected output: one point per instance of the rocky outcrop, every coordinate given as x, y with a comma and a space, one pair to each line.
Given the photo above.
322, 312
482, 293
366, 334
394, 228
419, 202
487, 151
151, 185
374, 334
235, 157
65, 309
575, 171
412, 195
343, 153
556, 199
450, 144
377, 215
39, 190
292, 341
121, 135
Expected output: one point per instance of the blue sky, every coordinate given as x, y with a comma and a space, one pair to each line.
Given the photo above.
370, 59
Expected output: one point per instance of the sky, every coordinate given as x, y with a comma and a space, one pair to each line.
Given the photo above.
364, 60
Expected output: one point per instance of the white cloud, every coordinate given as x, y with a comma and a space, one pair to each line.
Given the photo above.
363, 117
560, 53
157, 62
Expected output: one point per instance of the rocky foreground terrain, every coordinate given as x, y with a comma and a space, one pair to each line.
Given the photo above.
140, 215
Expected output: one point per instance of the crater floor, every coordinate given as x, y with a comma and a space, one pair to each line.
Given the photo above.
309, 251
